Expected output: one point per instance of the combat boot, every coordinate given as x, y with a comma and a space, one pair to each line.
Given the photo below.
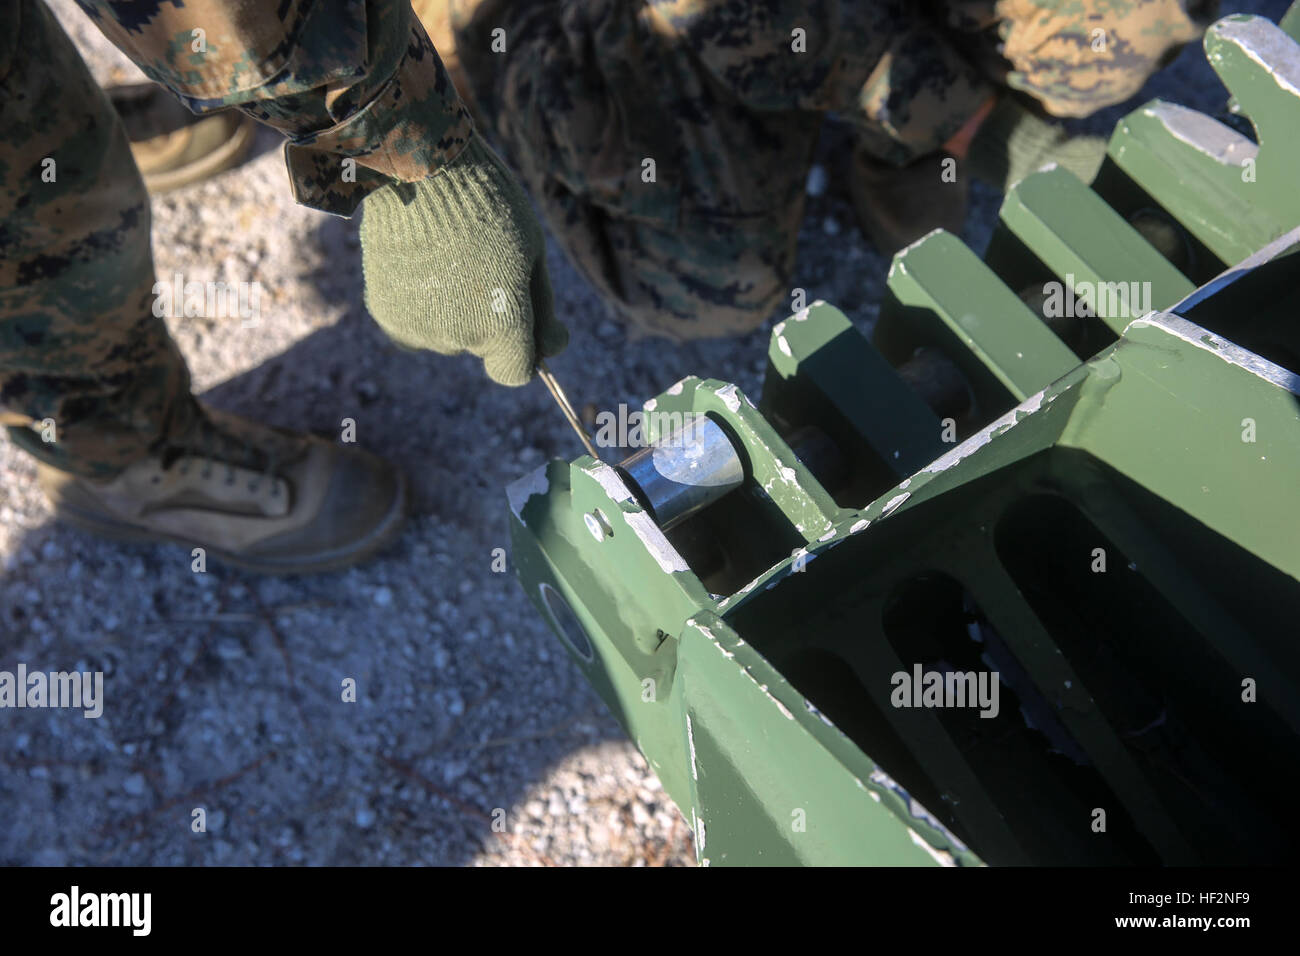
255, 497
171, 145
896, 206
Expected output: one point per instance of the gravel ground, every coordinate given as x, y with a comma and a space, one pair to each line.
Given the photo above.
222, 690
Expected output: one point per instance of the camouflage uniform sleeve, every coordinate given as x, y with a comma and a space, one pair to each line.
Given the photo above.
886, 67
343, 79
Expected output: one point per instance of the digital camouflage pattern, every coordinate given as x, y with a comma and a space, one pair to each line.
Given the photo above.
341, 78
666, 141
79, 344
726, 97
1078, 56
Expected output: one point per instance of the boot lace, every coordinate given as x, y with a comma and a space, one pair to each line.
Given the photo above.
213, 447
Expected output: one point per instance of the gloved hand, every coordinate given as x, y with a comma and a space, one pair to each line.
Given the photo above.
457, 263
1012, 143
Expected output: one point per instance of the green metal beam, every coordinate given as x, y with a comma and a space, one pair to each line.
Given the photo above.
1107, 544
976, 320
1233, 195
1091, 249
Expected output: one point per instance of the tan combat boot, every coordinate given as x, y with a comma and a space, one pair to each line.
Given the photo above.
256, 497
171, 145
896, 206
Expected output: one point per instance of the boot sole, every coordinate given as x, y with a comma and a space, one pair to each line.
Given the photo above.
384, 534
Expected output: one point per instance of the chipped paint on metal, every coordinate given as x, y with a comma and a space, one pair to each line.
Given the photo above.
812, 709
610, 481
942, 857
1233, 354
690, 739
712, 639
985, 435
524, 487
665, 555
893, 503
767, 693
860, 525
779, 706
914, 808
901, 253
1204, 134
651, 404
729, 397
1265, 44
676, 388
828, 535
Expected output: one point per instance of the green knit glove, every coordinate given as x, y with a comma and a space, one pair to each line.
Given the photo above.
1012, 143
457, 263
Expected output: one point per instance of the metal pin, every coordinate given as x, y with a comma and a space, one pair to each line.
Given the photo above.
562, 400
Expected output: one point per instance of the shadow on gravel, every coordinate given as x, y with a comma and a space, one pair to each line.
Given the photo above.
224, 691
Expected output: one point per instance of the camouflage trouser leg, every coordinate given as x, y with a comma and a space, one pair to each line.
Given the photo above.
692, 237
1079, 57
668, 143
79, 344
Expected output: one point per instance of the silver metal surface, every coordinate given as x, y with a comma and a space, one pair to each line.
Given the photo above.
685, 472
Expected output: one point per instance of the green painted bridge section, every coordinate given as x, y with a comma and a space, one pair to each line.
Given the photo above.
1017, 580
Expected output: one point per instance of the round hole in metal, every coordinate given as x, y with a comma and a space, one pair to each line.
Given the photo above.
566, 622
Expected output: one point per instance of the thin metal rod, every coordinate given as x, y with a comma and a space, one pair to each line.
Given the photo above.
562, 400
